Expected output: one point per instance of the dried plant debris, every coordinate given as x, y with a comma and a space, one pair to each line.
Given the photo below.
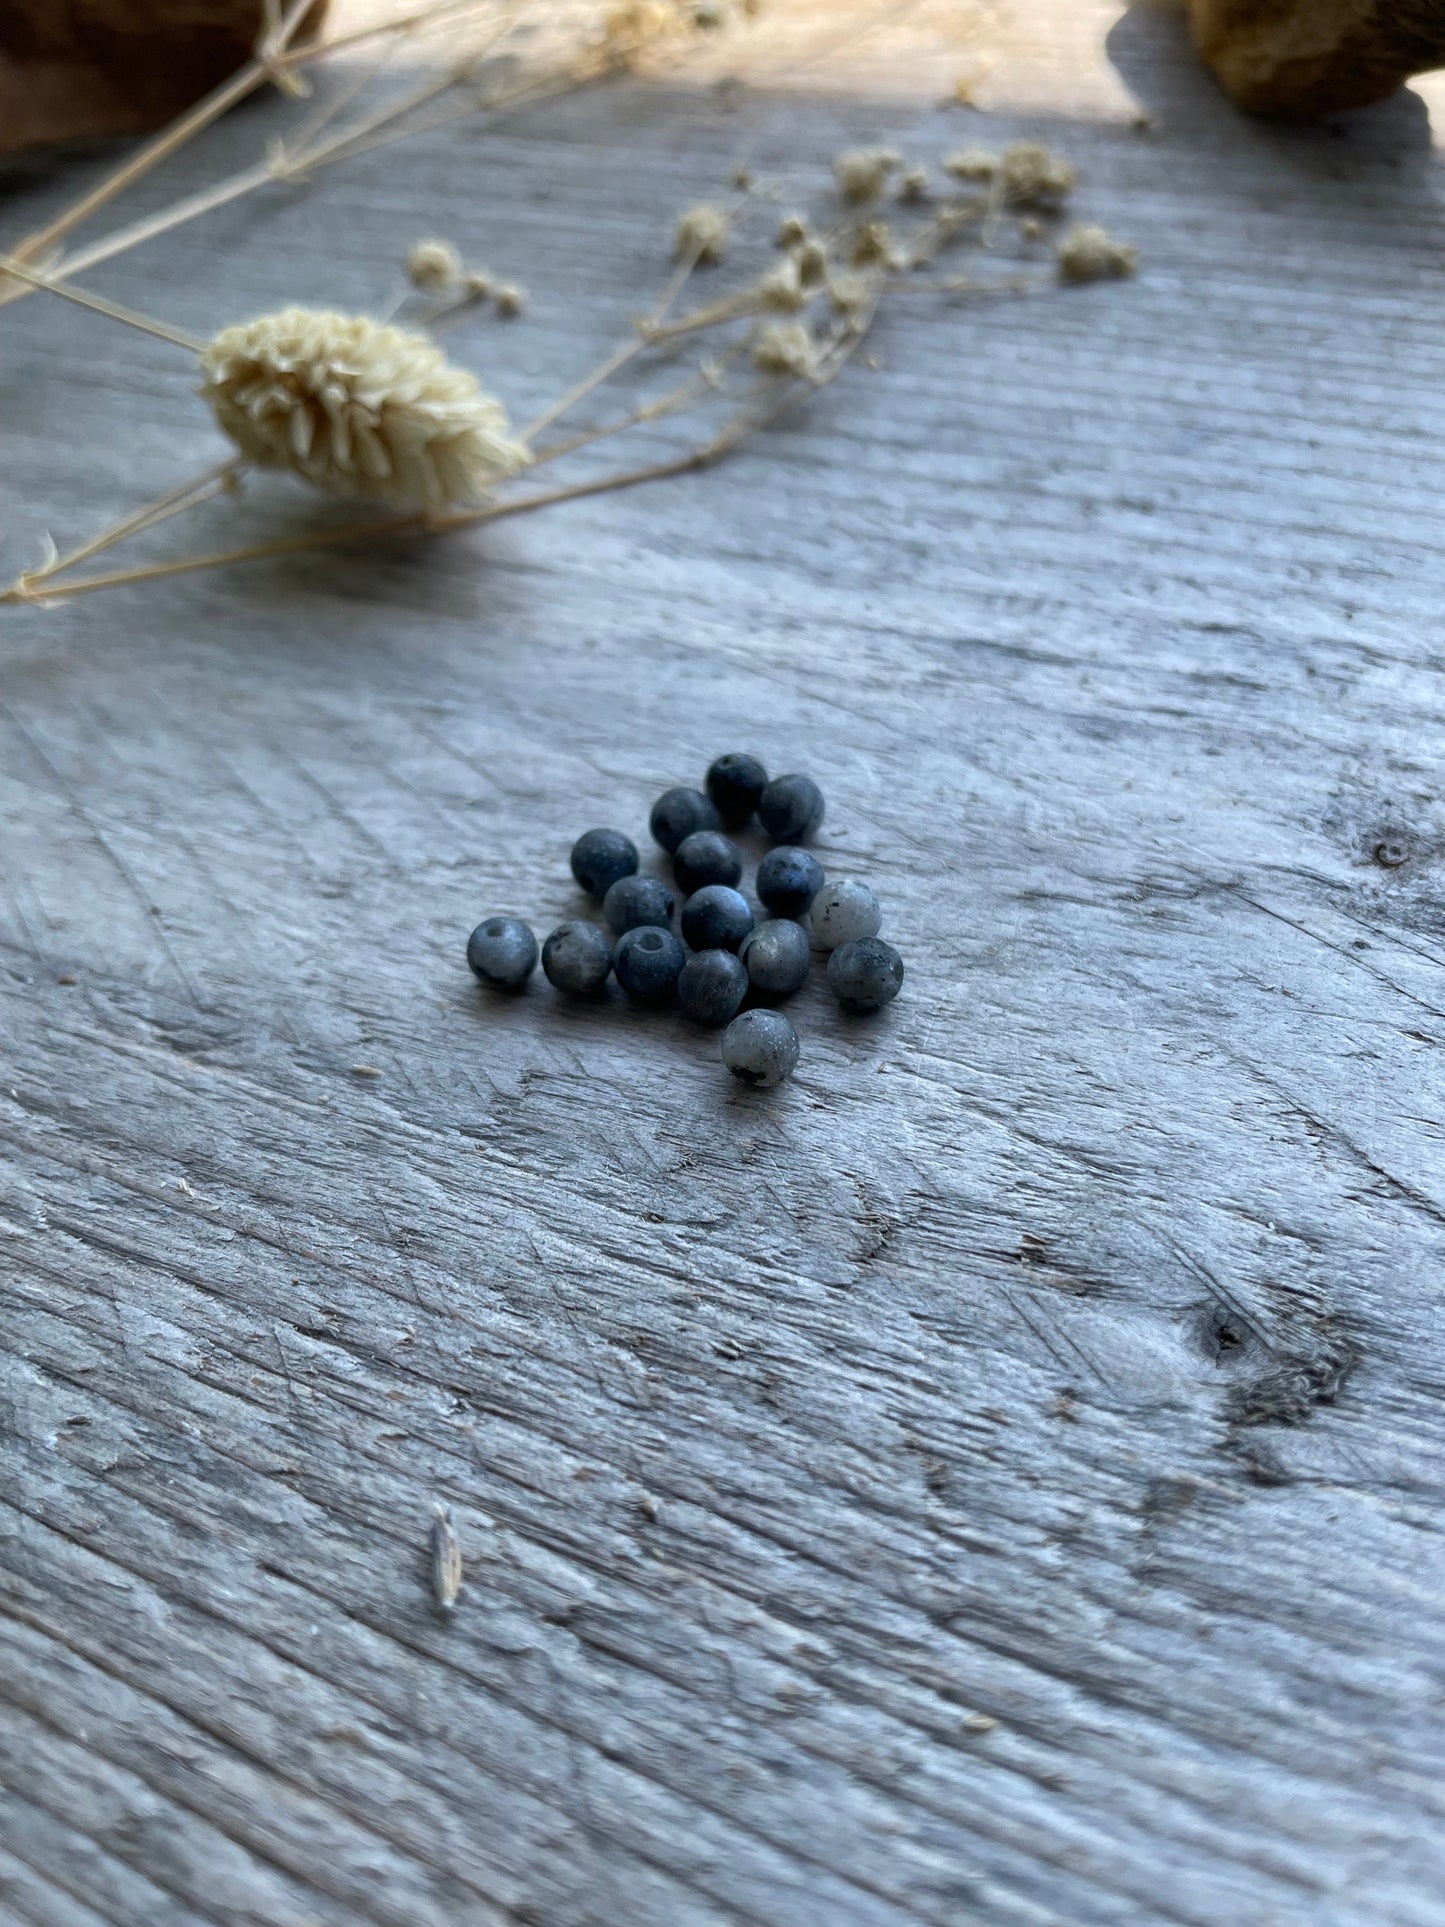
434, 266
446, 1559
360, 408
703, 234
1088, 253
862, 173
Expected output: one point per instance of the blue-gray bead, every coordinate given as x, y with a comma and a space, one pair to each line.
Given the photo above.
648, 962
788, 880
707, 856
712, 986
791, 808
777, 957
845, 912
735, 783
760, 1047
503, 952
577, 958
634, 901
716, 918
865, 975
677, 813
600, 857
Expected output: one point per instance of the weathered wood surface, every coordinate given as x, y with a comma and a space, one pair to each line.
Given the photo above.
996, 1478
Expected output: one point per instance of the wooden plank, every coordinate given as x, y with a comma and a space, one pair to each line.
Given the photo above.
997, 1476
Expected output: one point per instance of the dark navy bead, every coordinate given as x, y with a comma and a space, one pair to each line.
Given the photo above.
677, 813
648, 962
788, 880
712, 987
707, 856
600, 857
791, 808
735, 783
760, 1047
865, 975
577, 958
633, 901
717, 918
777, 956
502, 952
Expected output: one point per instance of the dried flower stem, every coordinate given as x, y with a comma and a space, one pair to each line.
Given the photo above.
245, 81
111, 309
214, 481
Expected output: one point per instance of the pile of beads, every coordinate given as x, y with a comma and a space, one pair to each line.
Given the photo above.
725, 955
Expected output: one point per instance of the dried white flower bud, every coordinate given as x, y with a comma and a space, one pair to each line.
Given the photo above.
1092, 254
511, 299
703, 234
782, 290
812, 263
785, 348
792, 229
972, 164
873, 245
914, 185
1032, 176
358, 409
433, 266
863, 173
633, 25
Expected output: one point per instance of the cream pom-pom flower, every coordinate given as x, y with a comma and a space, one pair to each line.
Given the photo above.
359, 409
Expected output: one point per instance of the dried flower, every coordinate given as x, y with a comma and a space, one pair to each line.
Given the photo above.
358, 409
703, 234
782, 290
792, 229
633, 25
1031, 230
446, 1558
1031, 176
1092, 254
785, 348
812, 263
972, 164
743, 178
914, 185
873, 245
433, 266
708, 16
476, 284
511, 299
863, 173
852, 295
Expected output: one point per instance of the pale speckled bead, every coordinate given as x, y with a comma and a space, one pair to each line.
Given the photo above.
844, 912
760, 1048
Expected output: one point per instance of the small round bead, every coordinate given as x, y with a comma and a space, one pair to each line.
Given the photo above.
634, 901
716, 918
760, 1047
735, 783
865, 975
600, 857
791, 808
707, 856
712, 987
788, 880
845, 912
677, 813
777, 957
502, 952
648, 962
577, 958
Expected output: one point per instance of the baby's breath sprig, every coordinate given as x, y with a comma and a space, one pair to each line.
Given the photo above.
374, 412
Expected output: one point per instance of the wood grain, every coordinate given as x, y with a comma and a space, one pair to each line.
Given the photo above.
995, 1478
